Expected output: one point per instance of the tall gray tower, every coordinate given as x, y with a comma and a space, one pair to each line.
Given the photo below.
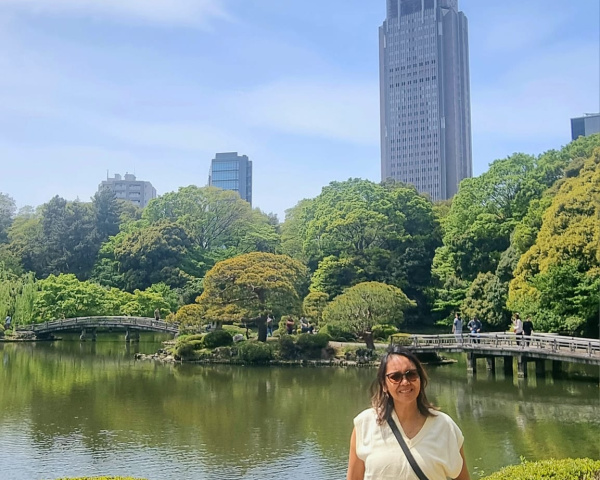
425, 95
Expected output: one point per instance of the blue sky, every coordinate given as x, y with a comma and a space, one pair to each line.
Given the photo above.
157, 87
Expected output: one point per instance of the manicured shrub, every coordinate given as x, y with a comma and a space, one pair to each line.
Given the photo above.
218, 338
403, 339
383, 332
187, 345
337, 334
255, 352
307, 341
566, 469
287, 348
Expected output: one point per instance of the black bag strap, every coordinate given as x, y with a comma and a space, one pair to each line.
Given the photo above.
406, 450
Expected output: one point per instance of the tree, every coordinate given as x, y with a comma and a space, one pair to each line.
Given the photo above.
314, 304
557, 281
250, 286
486, 300
365, 305
8, 208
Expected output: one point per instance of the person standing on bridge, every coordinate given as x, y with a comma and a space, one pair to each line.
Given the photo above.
474, 327
518, 328
157, 314
402, 435
457, 326
527, 330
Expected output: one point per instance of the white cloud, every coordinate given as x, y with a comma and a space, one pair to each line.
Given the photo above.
341, 111
165, 12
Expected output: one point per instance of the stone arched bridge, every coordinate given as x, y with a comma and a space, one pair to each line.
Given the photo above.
89, 325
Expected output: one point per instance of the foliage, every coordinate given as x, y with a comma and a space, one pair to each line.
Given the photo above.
565, 469
313, 305
403, 339
510, 197
287, 347
255, 352
218, 338
367, 304
64, 296
186, 346
8, 208
357, 231
559, 276
308, 342
383, 332
486, 300
189, 315
338, 333
250, 286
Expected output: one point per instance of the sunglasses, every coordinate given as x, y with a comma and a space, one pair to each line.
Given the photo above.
410, 375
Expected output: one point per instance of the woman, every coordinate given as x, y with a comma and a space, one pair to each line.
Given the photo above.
435, 441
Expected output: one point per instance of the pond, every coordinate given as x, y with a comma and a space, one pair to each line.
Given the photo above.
73, 409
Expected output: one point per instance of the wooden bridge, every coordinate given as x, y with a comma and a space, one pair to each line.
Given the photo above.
89, 325
535, 348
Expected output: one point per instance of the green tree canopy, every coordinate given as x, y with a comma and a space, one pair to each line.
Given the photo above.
250, 286
557, 281
365, 305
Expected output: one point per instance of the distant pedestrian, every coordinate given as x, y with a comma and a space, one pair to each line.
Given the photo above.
7, 322
157, 314
518, 328
303, 325
474, 327
457, 326
527, 330
269, 326
289, 325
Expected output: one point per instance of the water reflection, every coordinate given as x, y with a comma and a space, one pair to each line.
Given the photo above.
88, 409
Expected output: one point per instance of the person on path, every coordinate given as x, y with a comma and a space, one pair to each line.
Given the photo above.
289, 325
157, 314
474, 327
269, 326
518, 328
528, 330
457, 326
399, 401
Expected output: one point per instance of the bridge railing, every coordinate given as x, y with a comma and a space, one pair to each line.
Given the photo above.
100, 321
550, 343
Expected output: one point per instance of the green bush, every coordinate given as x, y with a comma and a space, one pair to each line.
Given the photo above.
1, 331
383, 332
287, 347
255, 352
187, 345
404, 339
218, 338
337, 333
307, 341
566, 469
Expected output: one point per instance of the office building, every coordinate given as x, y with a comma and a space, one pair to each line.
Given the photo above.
425, 95
231, 171
129, 188
586, 125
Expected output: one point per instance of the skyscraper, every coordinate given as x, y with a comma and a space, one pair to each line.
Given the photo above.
424, 92
231, 171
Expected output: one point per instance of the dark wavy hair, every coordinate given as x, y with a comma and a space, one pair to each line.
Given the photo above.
382, 402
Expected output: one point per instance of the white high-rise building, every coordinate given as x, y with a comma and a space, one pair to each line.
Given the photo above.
425, 97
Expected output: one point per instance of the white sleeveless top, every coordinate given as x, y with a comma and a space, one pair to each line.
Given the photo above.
436, 448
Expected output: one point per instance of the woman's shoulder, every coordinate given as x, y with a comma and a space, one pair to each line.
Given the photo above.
366, 415
443, 422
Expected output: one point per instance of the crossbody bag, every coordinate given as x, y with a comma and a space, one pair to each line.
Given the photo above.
406, 450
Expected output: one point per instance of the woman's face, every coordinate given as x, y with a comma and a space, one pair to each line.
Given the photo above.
404, 392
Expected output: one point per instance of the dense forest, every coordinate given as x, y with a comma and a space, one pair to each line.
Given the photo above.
522, 237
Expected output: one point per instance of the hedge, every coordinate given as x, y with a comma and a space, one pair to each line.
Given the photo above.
566, 469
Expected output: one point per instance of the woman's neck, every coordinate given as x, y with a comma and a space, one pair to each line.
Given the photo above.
407, 413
